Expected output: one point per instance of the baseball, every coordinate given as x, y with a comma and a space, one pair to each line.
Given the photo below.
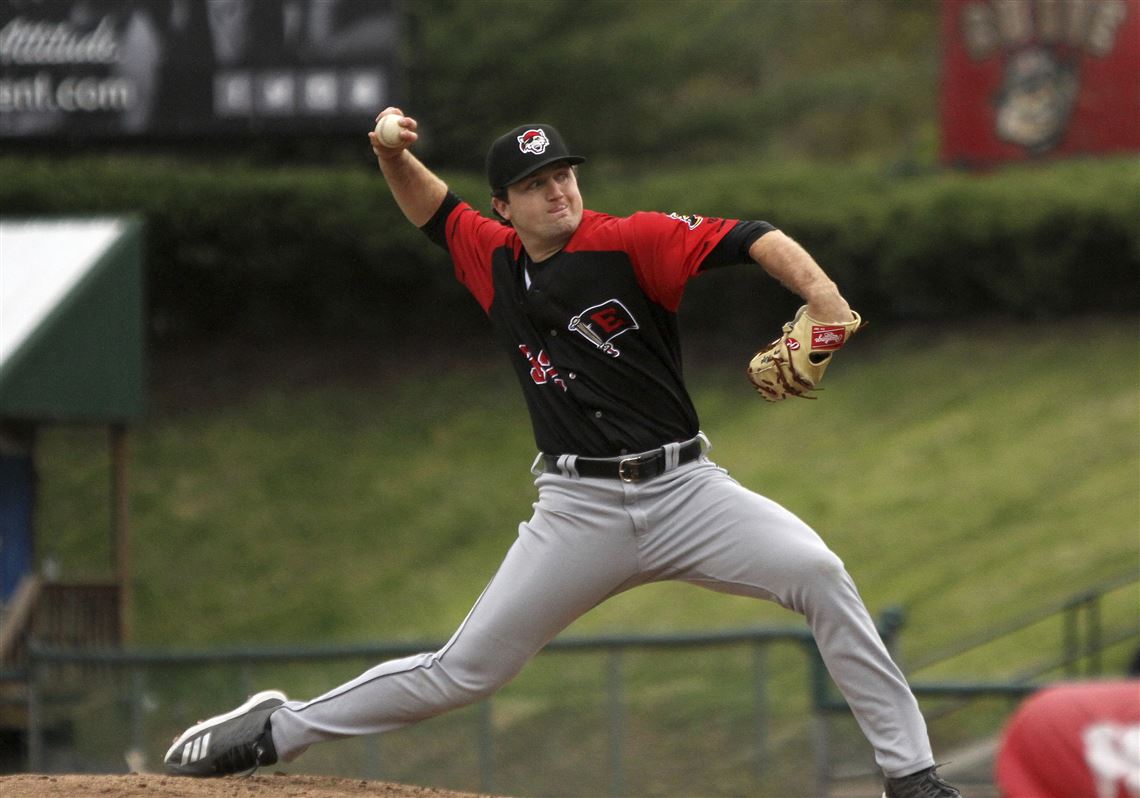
388, 130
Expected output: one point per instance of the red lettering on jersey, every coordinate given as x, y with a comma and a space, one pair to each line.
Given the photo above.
542, 370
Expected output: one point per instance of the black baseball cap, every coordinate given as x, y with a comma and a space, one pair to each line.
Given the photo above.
523, 151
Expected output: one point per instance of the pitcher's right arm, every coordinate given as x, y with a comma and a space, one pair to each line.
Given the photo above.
416, 189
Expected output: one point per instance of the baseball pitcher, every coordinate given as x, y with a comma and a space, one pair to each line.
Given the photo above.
584, 305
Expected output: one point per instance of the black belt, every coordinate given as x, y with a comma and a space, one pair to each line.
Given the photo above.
631, 468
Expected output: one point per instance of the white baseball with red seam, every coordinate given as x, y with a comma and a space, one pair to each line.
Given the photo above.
388, 130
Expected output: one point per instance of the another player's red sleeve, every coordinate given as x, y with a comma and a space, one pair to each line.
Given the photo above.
669, 249
1075, 740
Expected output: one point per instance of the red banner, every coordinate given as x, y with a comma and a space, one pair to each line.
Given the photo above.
1029, 78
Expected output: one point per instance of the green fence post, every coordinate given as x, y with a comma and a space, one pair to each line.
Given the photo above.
821, 707
890, 627
1070, 645
759, 677
1093, 638
35, 717
486, 751
138, 691
617, 721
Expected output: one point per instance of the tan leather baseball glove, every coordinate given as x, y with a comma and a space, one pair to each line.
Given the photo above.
794, 363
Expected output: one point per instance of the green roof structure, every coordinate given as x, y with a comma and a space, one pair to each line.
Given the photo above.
71, 319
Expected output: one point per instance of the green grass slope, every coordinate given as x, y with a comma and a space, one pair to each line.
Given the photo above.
967, 476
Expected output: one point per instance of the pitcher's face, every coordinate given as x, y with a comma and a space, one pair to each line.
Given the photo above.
545, 207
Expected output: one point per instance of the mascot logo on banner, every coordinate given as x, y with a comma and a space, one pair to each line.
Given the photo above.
1041, 44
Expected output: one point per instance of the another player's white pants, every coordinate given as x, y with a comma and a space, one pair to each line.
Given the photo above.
590, 539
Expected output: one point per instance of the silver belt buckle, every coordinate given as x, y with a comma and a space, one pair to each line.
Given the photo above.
628, 469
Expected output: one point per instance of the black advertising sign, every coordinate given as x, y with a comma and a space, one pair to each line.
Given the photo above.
128, 68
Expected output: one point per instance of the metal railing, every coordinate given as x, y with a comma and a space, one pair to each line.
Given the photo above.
1083, 638
137, 664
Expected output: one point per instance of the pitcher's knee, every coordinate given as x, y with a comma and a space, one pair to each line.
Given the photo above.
822, 580
828, 567
819, 566
474, 678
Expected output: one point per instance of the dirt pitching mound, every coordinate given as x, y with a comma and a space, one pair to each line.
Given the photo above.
145, 785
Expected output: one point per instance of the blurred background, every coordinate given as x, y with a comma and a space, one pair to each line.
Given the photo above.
255, 435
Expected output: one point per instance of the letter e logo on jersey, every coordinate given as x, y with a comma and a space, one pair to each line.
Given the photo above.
602, 323
825, 337
533, 141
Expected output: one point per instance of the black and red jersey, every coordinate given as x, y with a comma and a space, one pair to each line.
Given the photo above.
592, 330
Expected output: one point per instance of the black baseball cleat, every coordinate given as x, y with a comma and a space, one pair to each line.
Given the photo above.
237, 742
923, 784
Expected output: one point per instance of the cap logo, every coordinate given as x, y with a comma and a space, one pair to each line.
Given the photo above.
533, 141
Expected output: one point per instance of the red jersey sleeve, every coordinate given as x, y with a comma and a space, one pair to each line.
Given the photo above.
471, 240
669, 249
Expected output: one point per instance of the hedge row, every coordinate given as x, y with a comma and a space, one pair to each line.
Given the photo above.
294, 251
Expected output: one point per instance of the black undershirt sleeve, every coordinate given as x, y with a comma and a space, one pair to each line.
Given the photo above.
436, 226
733, 248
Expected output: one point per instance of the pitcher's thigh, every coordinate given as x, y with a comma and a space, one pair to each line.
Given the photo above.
743, 543
554, 572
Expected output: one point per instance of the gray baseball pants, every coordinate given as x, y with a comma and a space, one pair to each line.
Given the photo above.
590, 539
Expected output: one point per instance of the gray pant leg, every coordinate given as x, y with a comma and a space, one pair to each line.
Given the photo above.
709, 530
572, 554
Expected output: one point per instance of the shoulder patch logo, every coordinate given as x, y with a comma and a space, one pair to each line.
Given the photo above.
600, 324
691, 219
533, 141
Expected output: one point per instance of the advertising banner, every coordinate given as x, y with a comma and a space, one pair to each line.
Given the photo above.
127, 68
1029, 78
